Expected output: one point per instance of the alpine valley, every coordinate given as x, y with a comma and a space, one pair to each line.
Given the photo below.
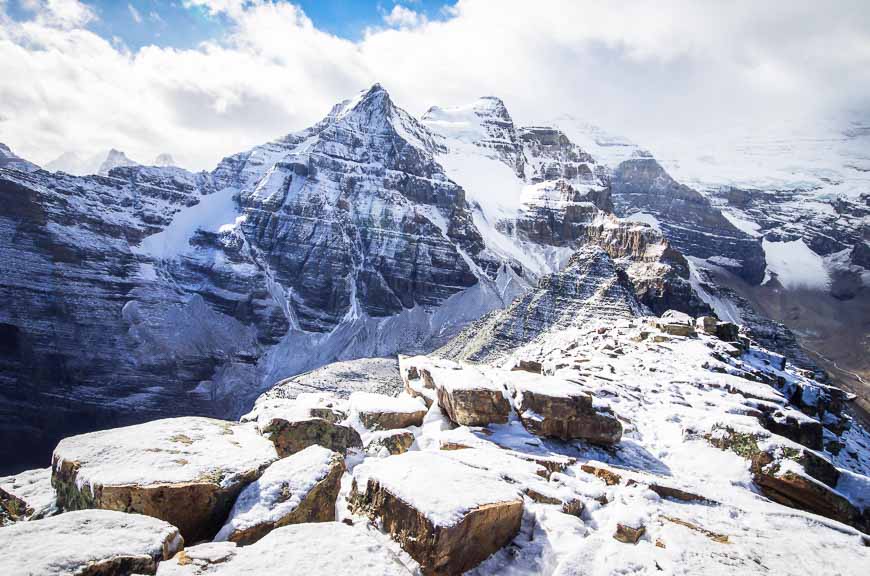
437, 345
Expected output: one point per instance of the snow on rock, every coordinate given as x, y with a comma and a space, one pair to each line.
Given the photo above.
114, 159
213, 213
187, 471
380, 412
379, 375
549, 406
795, 265
389, 442
89, 543
320, 548
311, 418
28, 495
300, 488
466, 394
447, 515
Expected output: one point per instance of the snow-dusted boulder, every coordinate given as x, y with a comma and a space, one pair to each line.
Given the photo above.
465, 394
300, 488
307, 420
27, 496
549, 406
676, 323
628, 534
88, 543
328, 548
381, 412
187, 471
390, 442
447, 515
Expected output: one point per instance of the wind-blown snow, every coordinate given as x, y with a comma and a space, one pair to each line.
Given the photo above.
796, 265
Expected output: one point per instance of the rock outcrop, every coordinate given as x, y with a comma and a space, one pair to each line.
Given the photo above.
27, 496
686, 217
310, 419
548, 406
186, 471
380, 412
294, 490
88, 543
590, 286
793, 476
448, 516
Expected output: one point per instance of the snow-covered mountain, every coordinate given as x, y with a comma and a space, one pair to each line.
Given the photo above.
152, 291
164, 160
563, 401
11, 161
100, 163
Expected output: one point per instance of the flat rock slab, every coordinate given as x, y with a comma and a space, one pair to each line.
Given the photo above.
300, 488
88, 543
445, 514
380, 412
187, 471
328, 548
552, 407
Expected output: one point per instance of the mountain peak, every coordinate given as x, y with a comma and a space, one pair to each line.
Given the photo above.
115, 159
8, 159
164, 160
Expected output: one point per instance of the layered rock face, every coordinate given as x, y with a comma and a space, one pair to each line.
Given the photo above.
686, 217
154, 292
590, 286
161, 290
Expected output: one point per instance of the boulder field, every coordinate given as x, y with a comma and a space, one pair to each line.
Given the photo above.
644, 442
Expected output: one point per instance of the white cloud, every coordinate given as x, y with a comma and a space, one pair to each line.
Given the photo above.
402, 17
60, 13
137, 18
646, 68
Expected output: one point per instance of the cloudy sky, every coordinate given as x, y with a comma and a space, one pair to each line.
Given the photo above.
201, 79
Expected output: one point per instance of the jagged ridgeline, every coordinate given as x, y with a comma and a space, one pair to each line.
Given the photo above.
153, 291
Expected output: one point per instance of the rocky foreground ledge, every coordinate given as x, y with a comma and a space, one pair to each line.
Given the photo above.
667, 444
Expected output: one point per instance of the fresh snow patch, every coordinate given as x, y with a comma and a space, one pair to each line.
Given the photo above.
795, 265
317, 548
